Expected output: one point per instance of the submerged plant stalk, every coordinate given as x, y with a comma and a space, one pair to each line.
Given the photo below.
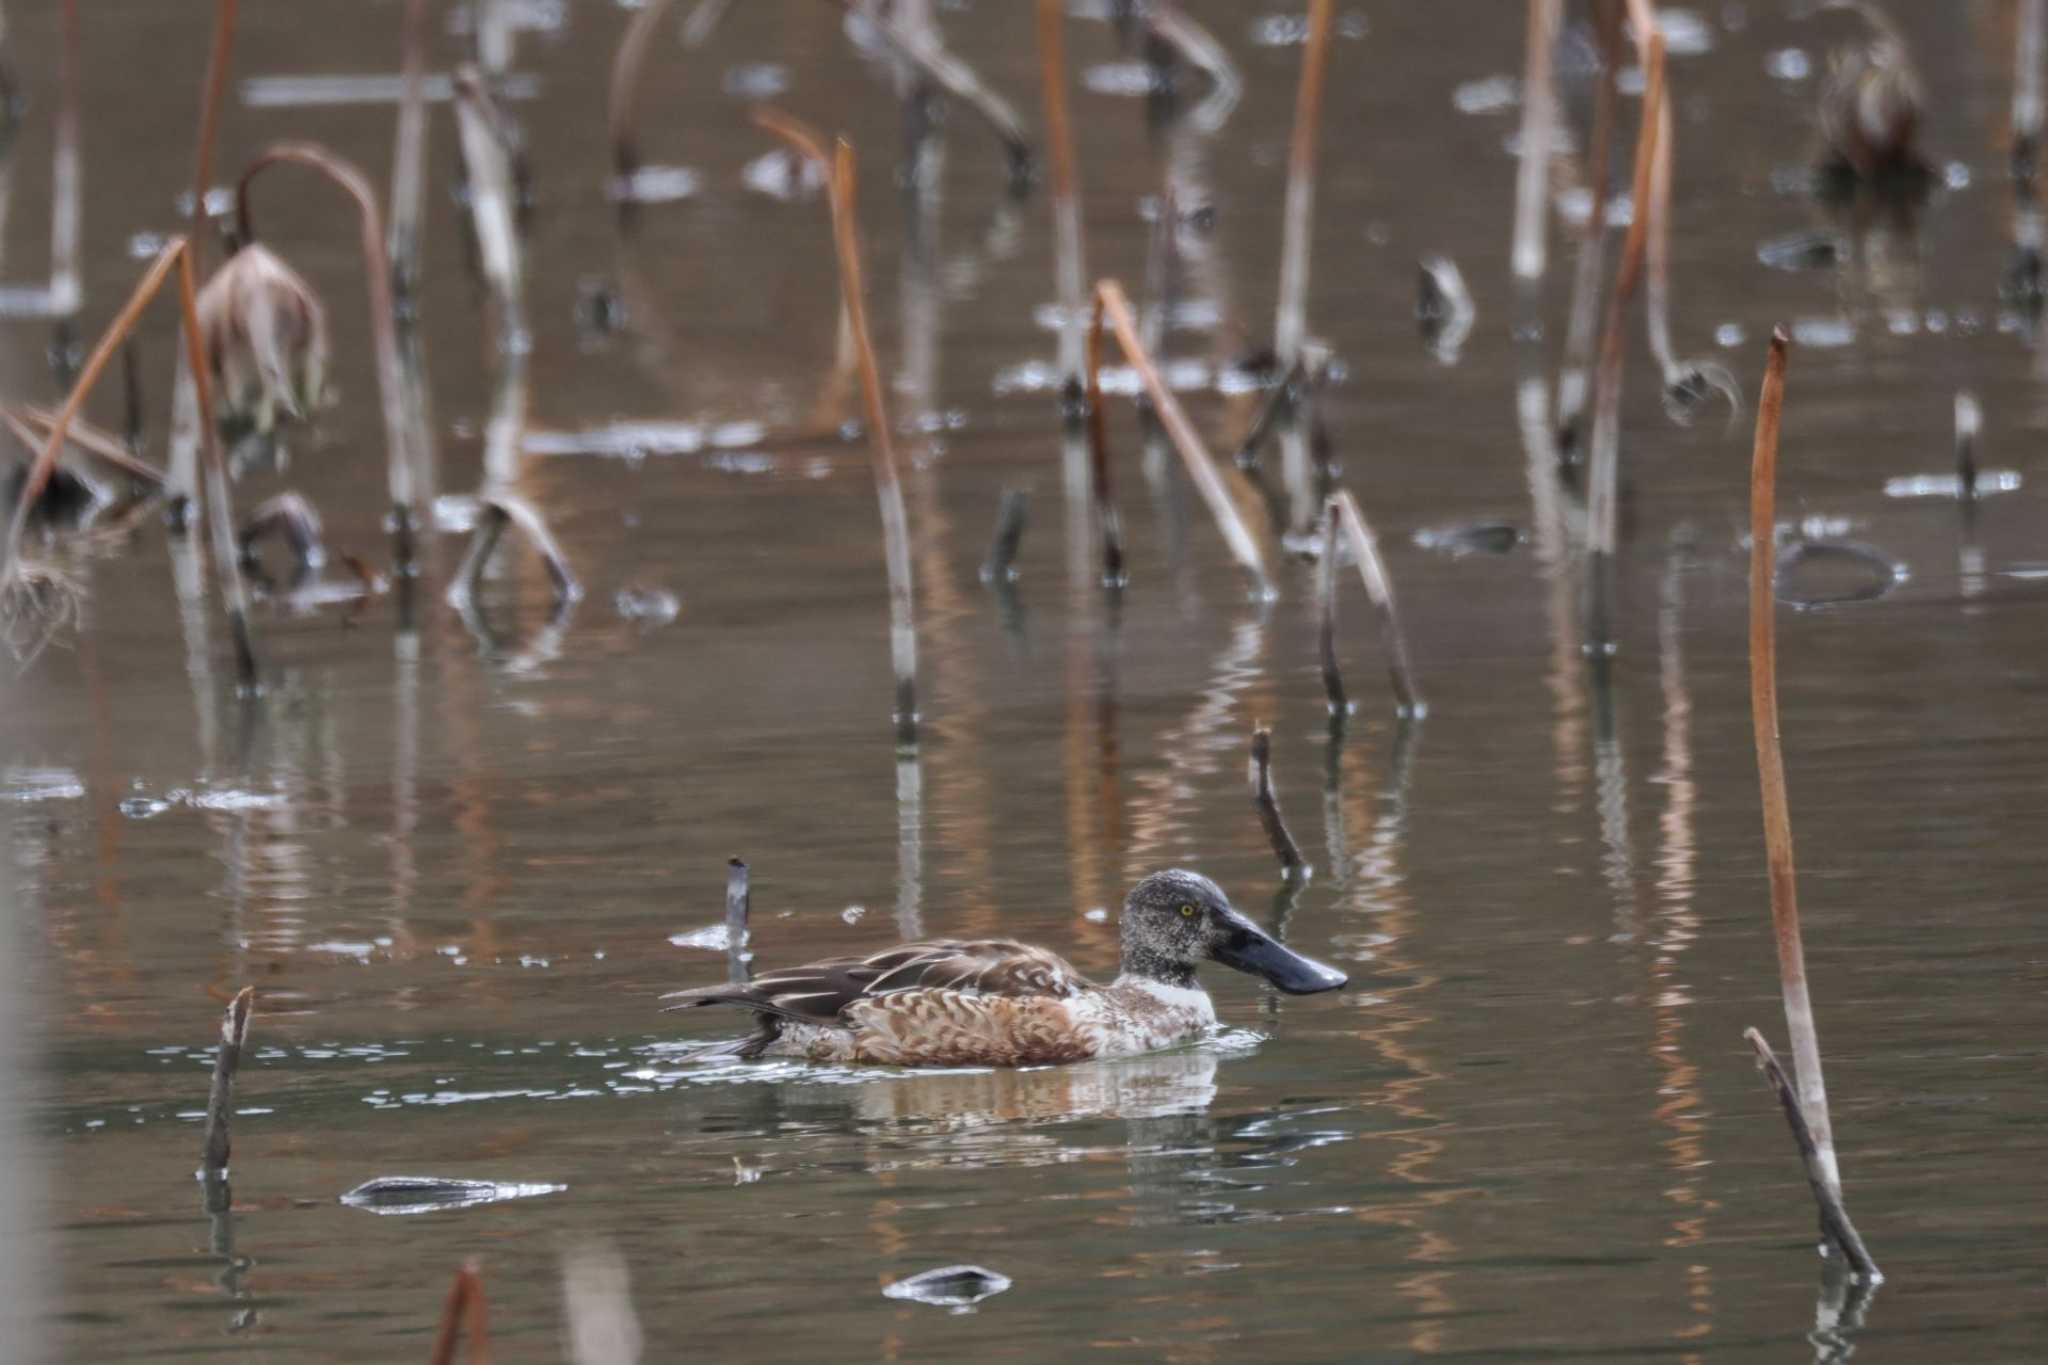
1379, 588
220, 1098
1539, 132
1116, 310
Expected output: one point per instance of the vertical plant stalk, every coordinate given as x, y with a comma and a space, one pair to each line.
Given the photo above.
1379, 589
464, 1311
176, 255
1260, 773
738, 904
2027, 104
1106, 518
881, 442
1290, 322
1584, 317
1811, 1100
219, 55
377, 277
492, 200
220, 1098
1069, 268
67, 288
409, 155
1116, 310
1604, 474
1000, 565
1834, 1216
1539, 132
1969, 423
1326, 603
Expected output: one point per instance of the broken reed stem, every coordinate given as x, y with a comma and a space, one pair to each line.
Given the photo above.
1000, 565
1770, 762
1326, 601
377, 278
22, 419
1584, 316
2027, 105
220, 1098
492, 196
1292, 864
176, 255
1969, 421
218, 56
464, 1310
1169, 24
939, 66
1539, 133
1106, 519
1291, 320
1116, 310
1379, 588
881, 443
409, 154
1068, 267
67, 286
1604, 473
738, 903
1834, 1215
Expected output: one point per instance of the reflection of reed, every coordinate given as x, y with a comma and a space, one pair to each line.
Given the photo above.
1610, 780
1194, 749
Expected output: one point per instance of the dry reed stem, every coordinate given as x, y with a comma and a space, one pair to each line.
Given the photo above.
67, 288
1171, 25
219, 54
1116, 310
881, 442
1770, 761
409, 153
1584, 317
377, 277
2027, 104
176, 255
1326, 602
1604, 474
1107, 520
1835, 1224
1539, 130
622, 113
465, 1310
1260, 774
22, 418
220, 1098
956, 78
492, 197
1379, 588
738, 905
1290, 323
1068, 266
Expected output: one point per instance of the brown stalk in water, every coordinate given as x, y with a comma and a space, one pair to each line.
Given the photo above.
1260, 774
1291, 320
1107, 520
465, 1310
1116, 310
1379, 588
881, 442
176, 255
1808, 1108
219, 55
377, 278
943, 69
1326, 612
220, 1098
1539, 131
1071, 274
1604, 472
1584, 317
409, 153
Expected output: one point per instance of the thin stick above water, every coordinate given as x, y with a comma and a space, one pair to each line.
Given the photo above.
738, 904
220, 1099
1068, 265
1812, 1094
219, 54
1260, 773
1290, 322
1834, 1217
1116, 310
1104, 498
1539, 133
464, 1311
1379, 587
1326, 601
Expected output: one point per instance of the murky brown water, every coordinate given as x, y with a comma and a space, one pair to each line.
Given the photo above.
1529, 1131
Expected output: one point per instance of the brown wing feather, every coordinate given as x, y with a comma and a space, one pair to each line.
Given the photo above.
819, 992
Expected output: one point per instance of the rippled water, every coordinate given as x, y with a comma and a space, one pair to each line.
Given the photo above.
456, 866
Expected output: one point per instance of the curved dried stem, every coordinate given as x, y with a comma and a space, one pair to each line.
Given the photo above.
1379, 588
383, 320
629, 60
938, 65
219, 54
1171, 25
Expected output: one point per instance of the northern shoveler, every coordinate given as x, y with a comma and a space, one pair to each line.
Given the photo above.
994, 1002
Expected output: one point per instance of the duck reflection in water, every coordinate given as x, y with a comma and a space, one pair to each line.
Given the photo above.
995, 1002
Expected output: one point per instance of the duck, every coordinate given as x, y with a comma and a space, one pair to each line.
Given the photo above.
1000, 1003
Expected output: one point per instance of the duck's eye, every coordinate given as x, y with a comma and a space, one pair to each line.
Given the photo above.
1187, 911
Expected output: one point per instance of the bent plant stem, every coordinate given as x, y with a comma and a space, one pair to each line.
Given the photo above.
629, 61
1770, 761
1066, 204
1835, 1224
1604, 474
1201, 467
957, 79
1168, 23
176, 255
1293, 866
1379, 588
234, 1036
399, 465
881, 443
1107, 520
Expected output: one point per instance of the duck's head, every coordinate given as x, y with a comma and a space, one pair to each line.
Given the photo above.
1174, 920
